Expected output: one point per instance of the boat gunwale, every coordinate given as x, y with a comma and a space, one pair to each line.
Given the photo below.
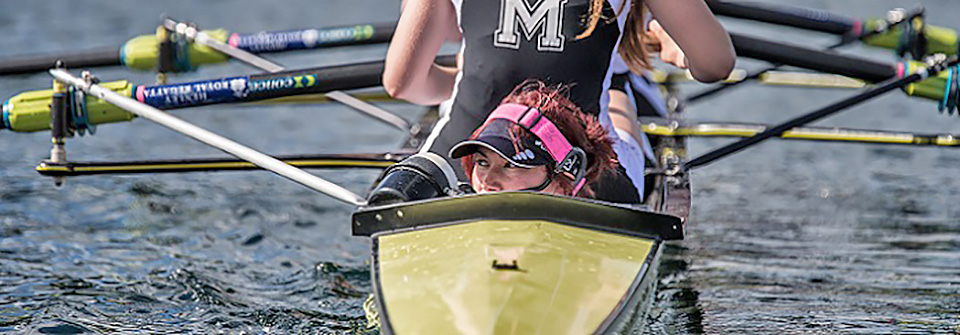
616, 319
517, 206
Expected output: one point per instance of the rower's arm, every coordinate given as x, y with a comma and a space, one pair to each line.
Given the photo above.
623, 114
709, 52
410, 72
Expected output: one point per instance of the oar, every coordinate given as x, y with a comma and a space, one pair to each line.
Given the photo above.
934, 39
778, 130
690, 128
934, 88
274, 165
193, 35
777, 78
30, 111
895, 19
142, 52
322, 161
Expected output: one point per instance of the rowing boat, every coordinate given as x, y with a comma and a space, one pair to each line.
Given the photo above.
513, 262
481, 264
520, 262
517, 262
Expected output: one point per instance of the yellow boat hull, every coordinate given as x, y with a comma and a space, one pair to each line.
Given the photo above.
517, 274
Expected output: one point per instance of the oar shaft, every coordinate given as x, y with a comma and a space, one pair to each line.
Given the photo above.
33, 63
798, 17
291, 40
142, 52
30, 111
212, 139
265, 86
261, 86
813, 59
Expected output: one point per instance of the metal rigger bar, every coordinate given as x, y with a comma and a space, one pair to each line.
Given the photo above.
58, 124
217, 141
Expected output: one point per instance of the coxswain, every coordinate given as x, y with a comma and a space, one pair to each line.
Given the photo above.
537, 140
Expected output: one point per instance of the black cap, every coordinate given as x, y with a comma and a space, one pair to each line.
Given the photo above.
512, 142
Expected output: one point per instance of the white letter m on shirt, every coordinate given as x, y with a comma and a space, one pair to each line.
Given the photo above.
546, 16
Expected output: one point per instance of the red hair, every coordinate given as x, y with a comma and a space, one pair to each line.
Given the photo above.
580, 129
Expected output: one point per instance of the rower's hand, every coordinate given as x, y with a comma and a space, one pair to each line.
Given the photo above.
659, 40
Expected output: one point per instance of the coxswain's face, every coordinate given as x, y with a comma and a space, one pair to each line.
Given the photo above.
492, 173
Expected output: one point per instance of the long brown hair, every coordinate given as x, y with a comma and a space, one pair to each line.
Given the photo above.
632, 47
581, 129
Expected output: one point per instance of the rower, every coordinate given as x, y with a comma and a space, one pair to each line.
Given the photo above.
570, 42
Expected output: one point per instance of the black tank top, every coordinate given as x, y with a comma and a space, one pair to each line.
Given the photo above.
508, 41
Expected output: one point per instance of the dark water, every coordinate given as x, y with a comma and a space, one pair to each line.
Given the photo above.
788, 237
803, 237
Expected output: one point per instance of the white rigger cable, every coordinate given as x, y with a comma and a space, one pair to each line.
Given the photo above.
373, 111
217, 141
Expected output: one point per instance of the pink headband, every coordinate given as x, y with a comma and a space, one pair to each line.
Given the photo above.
546, 131
556, 144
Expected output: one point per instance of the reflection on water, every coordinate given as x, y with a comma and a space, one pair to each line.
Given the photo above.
847, 260
787, 237
676, 309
